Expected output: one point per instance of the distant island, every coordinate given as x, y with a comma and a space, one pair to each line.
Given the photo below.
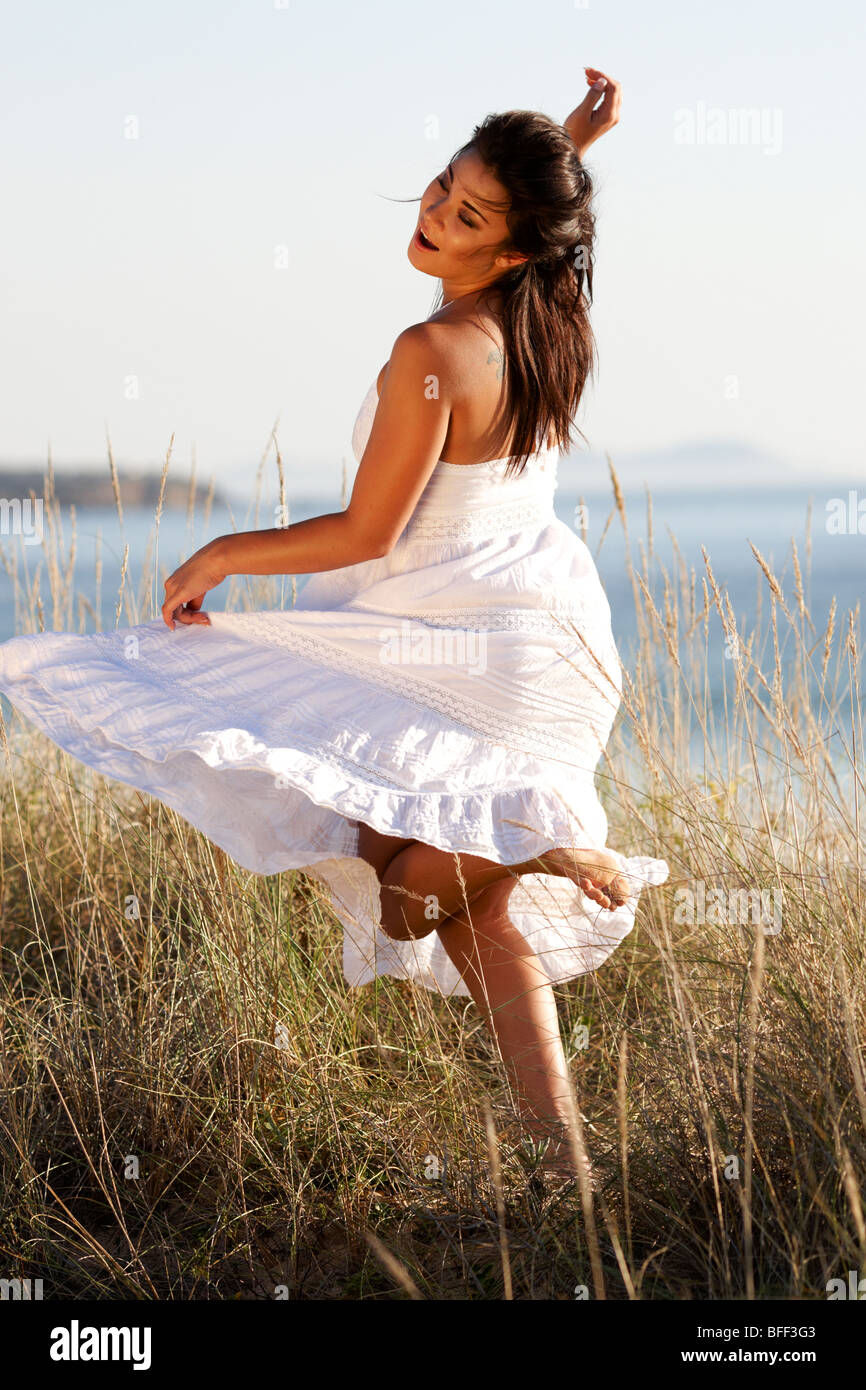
700, 465
86, 488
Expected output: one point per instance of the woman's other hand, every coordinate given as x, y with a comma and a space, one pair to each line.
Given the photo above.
587, 122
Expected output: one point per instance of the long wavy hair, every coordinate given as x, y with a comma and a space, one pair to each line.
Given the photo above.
549, 346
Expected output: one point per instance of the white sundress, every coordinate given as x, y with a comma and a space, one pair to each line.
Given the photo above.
441, 693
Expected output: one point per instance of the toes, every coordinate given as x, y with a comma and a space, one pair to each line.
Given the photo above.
619, 885
597, 894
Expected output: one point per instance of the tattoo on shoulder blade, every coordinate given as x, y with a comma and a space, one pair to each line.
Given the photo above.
497, 357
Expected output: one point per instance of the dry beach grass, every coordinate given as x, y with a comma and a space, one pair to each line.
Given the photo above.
194, 1104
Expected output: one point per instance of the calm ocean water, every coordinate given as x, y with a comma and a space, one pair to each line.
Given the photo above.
723, 523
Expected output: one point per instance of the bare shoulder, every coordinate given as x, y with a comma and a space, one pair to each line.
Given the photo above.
424, 353
476, 352
462, 352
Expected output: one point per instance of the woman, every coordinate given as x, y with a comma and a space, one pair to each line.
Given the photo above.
421, 731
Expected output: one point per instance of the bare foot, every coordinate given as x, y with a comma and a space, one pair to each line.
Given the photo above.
554, 1161
546, 1149
595, 871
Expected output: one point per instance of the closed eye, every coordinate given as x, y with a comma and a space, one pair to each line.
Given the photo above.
463, 218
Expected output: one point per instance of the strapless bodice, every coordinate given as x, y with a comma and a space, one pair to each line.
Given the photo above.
468, 500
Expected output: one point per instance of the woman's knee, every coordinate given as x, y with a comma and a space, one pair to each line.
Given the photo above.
408, 894
422, 891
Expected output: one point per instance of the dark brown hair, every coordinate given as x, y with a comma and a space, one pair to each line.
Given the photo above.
550, 348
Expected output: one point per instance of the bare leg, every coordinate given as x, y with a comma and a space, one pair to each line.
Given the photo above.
422, 885
513, 993
504, 977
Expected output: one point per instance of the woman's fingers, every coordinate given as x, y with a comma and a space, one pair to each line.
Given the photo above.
590, 120
607, 114
191, 611
184, 610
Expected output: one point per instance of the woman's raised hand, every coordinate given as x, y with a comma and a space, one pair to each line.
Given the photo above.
586, 122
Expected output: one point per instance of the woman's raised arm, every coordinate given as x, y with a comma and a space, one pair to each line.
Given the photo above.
586, 122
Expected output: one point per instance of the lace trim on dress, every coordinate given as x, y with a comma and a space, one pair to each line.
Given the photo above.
480, 719
555, 622
490, 521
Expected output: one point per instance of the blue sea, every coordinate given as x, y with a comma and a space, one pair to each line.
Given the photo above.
683, 522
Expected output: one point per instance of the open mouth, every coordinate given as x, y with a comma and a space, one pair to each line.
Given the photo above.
424, 241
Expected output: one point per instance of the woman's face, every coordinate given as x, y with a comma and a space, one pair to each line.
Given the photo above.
456, 216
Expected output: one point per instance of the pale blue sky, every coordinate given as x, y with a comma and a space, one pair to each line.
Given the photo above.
730, 289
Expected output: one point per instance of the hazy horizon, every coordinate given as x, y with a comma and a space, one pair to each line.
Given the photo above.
697, 467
